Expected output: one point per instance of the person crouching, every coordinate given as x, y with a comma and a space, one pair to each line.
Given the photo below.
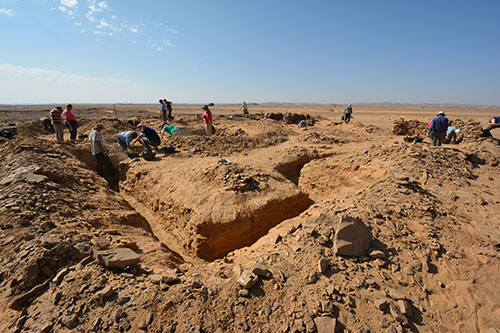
148, 137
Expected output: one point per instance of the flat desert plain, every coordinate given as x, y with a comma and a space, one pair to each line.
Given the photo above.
261, 227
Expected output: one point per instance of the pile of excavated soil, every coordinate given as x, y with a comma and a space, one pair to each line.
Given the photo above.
410, 127
331, 228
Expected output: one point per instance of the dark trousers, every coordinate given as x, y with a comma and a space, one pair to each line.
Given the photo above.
437, 139
147, 143
492, 126
347, 117
74, 125
104, 166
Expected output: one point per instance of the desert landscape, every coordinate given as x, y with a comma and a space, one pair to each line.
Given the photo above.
262, 227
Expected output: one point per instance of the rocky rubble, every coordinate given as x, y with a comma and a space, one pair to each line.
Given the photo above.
398, 238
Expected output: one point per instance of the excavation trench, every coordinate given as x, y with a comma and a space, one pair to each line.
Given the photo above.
205, 220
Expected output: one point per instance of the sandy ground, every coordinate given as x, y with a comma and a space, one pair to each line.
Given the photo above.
381, 116
201, 227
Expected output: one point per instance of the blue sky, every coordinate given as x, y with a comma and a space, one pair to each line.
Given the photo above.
336, 51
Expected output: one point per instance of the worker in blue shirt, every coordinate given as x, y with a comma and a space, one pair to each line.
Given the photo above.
438, 128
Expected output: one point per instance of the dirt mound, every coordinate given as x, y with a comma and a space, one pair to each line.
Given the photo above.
410, 127
221, 208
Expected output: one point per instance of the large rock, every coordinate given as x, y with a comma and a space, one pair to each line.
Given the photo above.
28, 174
120, 257
352, 237
325, 324
248, 279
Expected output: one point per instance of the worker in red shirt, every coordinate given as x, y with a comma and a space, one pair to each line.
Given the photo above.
207, 120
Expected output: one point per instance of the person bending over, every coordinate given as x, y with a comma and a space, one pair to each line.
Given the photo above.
148, 137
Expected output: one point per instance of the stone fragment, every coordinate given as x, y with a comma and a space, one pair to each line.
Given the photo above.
352, 237
396, 294
30, 273
105, 292
120, 257
377, 254
325, 324
405, 308
381, 304
397, 314
101, 243
46, 327
323, 265
261, 270
312, 278
327, 307
122, 299
243, 293
330, 289
56, 297
170, 278
156, 278
247, 279
69, 320
124, 325
20, 302
60, 275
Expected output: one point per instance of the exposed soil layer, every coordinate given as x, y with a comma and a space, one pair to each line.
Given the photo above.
272, 207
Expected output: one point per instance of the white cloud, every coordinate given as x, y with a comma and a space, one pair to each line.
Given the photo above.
158, 49
104, 24
95, 7
8, 12
133, 29
69, 3
103, 33
83, 30
62, 9
174, 31
78, 24
38, 85
168, 42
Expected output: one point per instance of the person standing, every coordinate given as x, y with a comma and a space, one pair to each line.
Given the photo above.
70, 120
347, 113
125, 139
57, 123
148, 137
163, 109
104, 165
438, 128
207, 120
244, 109
169, 110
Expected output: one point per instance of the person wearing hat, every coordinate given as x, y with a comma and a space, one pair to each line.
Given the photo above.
104, 166
148, 137
438, 128
207, 120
